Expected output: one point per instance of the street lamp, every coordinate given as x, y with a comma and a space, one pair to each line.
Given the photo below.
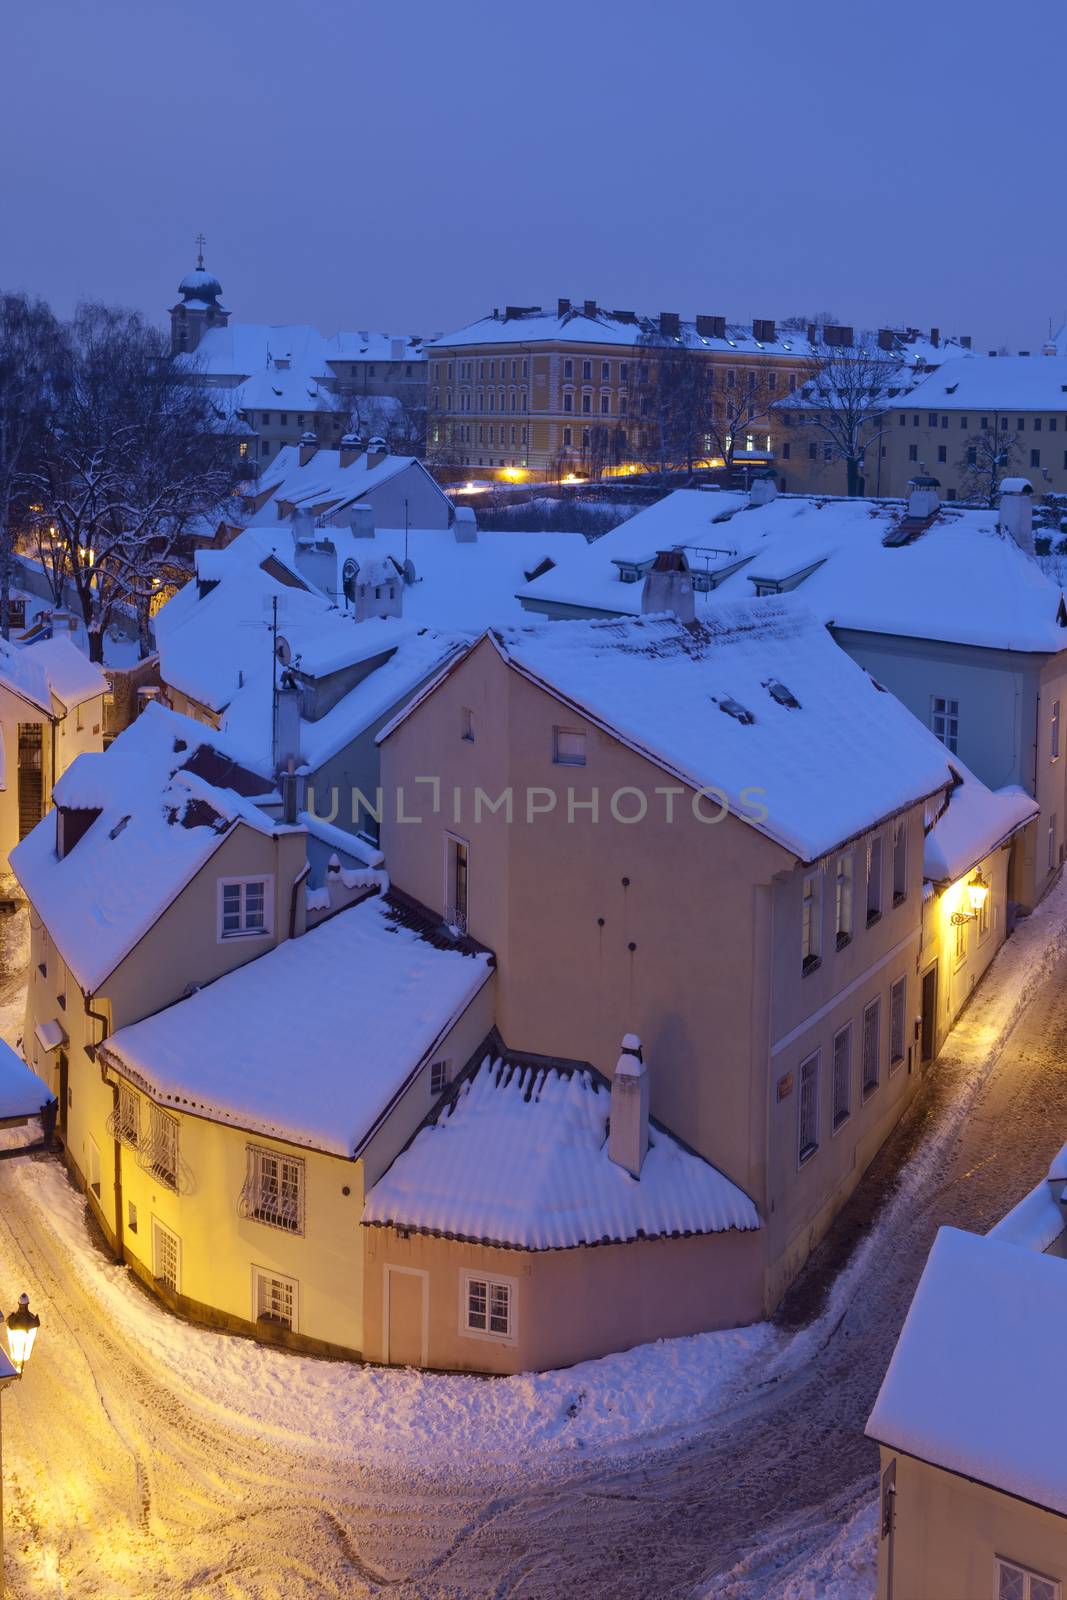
22, 1326
977, 893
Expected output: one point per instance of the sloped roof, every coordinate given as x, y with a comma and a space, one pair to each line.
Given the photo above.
157, 825
991, 384
823, 771
71, 676
975, 821
312, 1041
973, 1383
520, 1159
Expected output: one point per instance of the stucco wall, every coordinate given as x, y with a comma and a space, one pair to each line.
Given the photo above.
948, 1532
570, 1305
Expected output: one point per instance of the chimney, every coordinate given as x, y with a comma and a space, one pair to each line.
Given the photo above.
886, 340
669, 586
965, 341
669, 324
308, 446
289, 802
935, 337
763, 331
396, 349
764, 489
287, 727
361, 521
1049, 349
465, 525
377, 450
315, 559
1016, 512
589, 308
813, 333
302, 523
924, 499
351, 449
628, 1136
377, 589
711, 327
562, 307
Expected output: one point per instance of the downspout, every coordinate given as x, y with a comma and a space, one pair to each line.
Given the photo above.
120, 1245
297, 881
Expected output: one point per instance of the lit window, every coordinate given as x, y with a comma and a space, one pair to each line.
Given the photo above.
159, 1151
245, 907
945, 721
128, 1116
274, 1189
568, 747
489, 1306
808, 1109
274, 1299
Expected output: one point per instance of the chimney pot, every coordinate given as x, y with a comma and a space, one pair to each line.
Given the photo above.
669, 586
628, 1136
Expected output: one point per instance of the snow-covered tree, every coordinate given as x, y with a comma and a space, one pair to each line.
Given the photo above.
30, 349
989, 455
843, 401
399, 420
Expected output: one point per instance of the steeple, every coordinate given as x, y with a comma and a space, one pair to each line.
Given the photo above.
199, 307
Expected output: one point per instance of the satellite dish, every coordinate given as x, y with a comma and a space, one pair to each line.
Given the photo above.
349, 573
282, 651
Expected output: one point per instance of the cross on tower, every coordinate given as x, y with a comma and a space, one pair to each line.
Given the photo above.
200, 243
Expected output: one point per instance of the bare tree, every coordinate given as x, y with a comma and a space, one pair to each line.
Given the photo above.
844, 401
30, 348
398, 419
134, 459
988, 456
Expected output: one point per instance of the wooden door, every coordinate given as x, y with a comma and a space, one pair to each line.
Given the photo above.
406, 1312
31, 776
929, 1014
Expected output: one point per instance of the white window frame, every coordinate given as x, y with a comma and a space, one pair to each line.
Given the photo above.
454, 916
564, 756
844, 899
265, 1275
811, 921
1053, 1590
440, 1077
869, 1086
267, 880
900, 862
810, 1147
896, 1061
838, 1120
161, 1233
473, 1275
945, 721
269, 1174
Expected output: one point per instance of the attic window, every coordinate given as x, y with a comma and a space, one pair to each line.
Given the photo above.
734, 708
779, 692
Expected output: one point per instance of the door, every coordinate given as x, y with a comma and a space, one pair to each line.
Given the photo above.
31, 776
405, 1326
929, 1016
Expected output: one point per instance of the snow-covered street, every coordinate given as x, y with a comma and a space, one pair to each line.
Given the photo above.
143, 1457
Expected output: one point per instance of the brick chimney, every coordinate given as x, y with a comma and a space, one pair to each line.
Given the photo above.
669, 324
589, 308
308, 446
351, 449
711, 327
669, 586
886, 339
935, 337
562, 307
628, 1135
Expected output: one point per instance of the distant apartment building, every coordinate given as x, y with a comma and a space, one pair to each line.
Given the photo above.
281, 382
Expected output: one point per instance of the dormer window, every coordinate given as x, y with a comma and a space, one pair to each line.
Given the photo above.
246, 908
72, 824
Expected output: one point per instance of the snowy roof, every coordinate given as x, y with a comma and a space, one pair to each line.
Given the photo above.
283, 389
975, 821
828, 768
520, 1158
159, 821
972, 1383
324, 482
991, 384
50, 667
243, 349
312, 1041
936, 587
22, 1092
367, 346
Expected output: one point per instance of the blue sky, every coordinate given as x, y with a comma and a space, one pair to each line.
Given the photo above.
411, 165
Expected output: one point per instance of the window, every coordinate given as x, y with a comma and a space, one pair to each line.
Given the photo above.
913, 452
605, 404
902, 419
624, 372
1019, 1583
872, 1030
931, 419
972, 456
960, 952
274, 1189
131, 1217
808, 1109
246, 907
983, 918
828, 452
1020, 424
964, 424
466, 723
942, 452
898, 999
93, 1174
568, 368
1035, 458
568, 747
166, 1256
128, 1116
945, 721
439, 1077
843, 900
160, 1151
1054, 732
785, 452
587, 370
874, 879
1037, 424
568, 402
842, 1109
457, 882
605, 371
587, 405
811, 919
900, 862
567, 438
489, 1306
812, 452
273, 1299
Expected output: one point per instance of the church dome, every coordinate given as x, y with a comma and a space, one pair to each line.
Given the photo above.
200, 284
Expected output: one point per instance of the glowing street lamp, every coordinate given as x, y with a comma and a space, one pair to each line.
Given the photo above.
977, 894
22, 1326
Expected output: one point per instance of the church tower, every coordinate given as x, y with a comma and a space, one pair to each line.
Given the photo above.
198, 309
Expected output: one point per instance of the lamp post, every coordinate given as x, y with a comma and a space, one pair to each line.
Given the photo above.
977, 893
22, 1326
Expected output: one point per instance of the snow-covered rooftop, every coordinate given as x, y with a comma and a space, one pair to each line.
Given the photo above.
50, 667
324, 483
22, 1092
312, 1041
975, 821
520, 1158
243, 350
991, 384
158, 822
826, 768
936, 587
973, 1383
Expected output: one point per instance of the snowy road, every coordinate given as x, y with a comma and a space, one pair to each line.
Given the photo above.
131, 1471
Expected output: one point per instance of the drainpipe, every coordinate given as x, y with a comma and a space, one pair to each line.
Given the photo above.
120, 1247
297, 881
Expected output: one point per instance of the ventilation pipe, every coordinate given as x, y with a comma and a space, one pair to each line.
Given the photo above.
628, 1136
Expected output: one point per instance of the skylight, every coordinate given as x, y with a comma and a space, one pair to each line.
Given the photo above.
734, 708
778, 691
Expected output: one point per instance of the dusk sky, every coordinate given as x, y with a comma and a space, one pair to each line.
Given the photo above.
409, 166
